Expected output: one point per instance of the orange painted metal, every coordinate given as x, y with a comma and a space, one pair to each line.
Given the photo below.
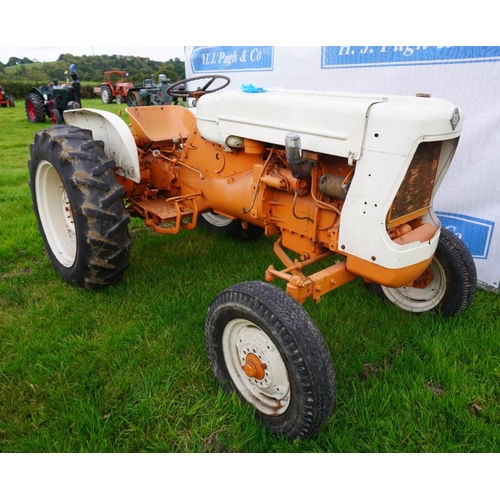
393, 278
183, 175
254, 367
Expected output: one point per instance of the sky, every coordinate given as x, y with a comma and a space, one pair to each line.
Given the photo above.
381, 23
51, 53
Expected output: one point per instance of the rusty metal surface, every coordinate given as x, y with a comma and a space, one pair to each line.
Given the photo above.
416, 190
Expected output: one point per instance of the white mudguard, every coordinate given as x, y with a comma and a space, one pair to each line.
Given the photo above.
119, 143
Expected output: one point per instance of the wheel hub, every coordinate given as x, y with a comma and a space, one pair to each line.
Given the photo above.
425, 293
424, 280
67, 213
254, 367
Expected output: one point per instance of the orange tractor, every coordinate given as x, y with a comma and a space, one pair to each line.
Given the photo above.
114, 87
344, 182
6, 100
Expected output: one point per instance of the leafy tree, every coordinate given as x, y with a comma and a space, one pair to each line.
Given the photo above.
91, 68
13, 61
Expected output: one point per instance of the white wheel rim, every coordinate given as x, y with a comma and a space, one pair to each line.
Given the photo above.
217, 220
420, 299
269, 394
55, 213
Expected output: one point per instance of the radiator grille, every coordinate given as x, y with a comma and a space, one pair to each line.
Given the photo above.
414, 195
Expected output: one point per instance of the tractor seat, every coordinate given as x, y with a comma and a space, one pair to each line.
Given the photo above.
161, 123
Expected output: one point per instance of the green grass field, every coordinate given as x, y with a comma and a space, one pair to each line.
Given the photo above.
125, 369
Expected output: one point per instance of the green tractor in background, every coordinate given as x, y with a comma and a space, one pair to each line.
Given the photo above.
52, 100
150, 93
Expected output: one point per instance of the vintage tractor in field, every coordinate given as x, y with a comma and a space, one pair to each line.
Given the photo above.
6, 101
344, 182
114, 87
150, 93
51, 101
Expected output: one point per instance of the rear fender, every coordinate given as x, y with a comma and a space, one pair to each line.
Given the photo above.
119, 143
37, 91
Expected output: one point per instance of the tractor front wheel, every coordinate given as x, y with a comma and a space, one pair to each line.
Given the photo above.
56, 117
79, 207
447, 286
35, 108
262, 344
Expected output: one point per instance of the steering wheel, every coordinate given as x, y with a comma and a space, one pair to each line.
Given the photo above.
179, 89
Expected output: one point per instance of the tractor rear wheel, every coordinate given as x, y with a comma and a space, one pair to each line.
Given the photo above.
35, 108
132, 98
79, 207
262, 344
231, 227
106, 95
447, 287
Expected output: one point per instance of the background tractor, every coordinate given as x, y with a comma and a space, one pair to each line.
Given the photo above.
344, 184
6, 100
114, 87
51, 101
150, 93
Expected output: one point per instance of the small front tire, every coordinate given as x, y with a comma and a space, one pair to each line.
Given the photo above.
55, 117
262, 344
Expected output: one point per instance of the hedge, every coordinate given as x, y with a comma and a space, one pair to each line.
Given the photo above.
18, 89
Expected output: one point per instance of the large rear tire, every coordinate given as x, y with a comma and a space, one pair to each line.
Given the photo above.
106, 95
447, 287
35, 108
233, 228
262, 344
79, 207
132, 98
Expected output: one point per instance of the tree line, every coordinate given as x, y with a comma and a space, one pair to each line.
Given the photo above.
89, 69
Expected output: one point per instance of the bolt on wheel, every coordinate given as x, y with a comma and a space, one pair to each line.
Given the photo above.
56, 214
262, 344
420, 298
256, 367
447, 286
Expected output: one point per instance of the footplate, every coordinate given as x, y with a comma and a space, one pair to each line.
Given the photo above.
160, 209
167, 215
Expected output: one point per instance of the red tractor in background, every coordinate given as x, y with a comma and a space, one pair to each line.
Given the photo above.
5, 100
114, 87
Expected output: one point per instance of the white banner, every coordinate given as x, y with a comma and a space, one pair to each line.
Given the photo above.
468, 202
